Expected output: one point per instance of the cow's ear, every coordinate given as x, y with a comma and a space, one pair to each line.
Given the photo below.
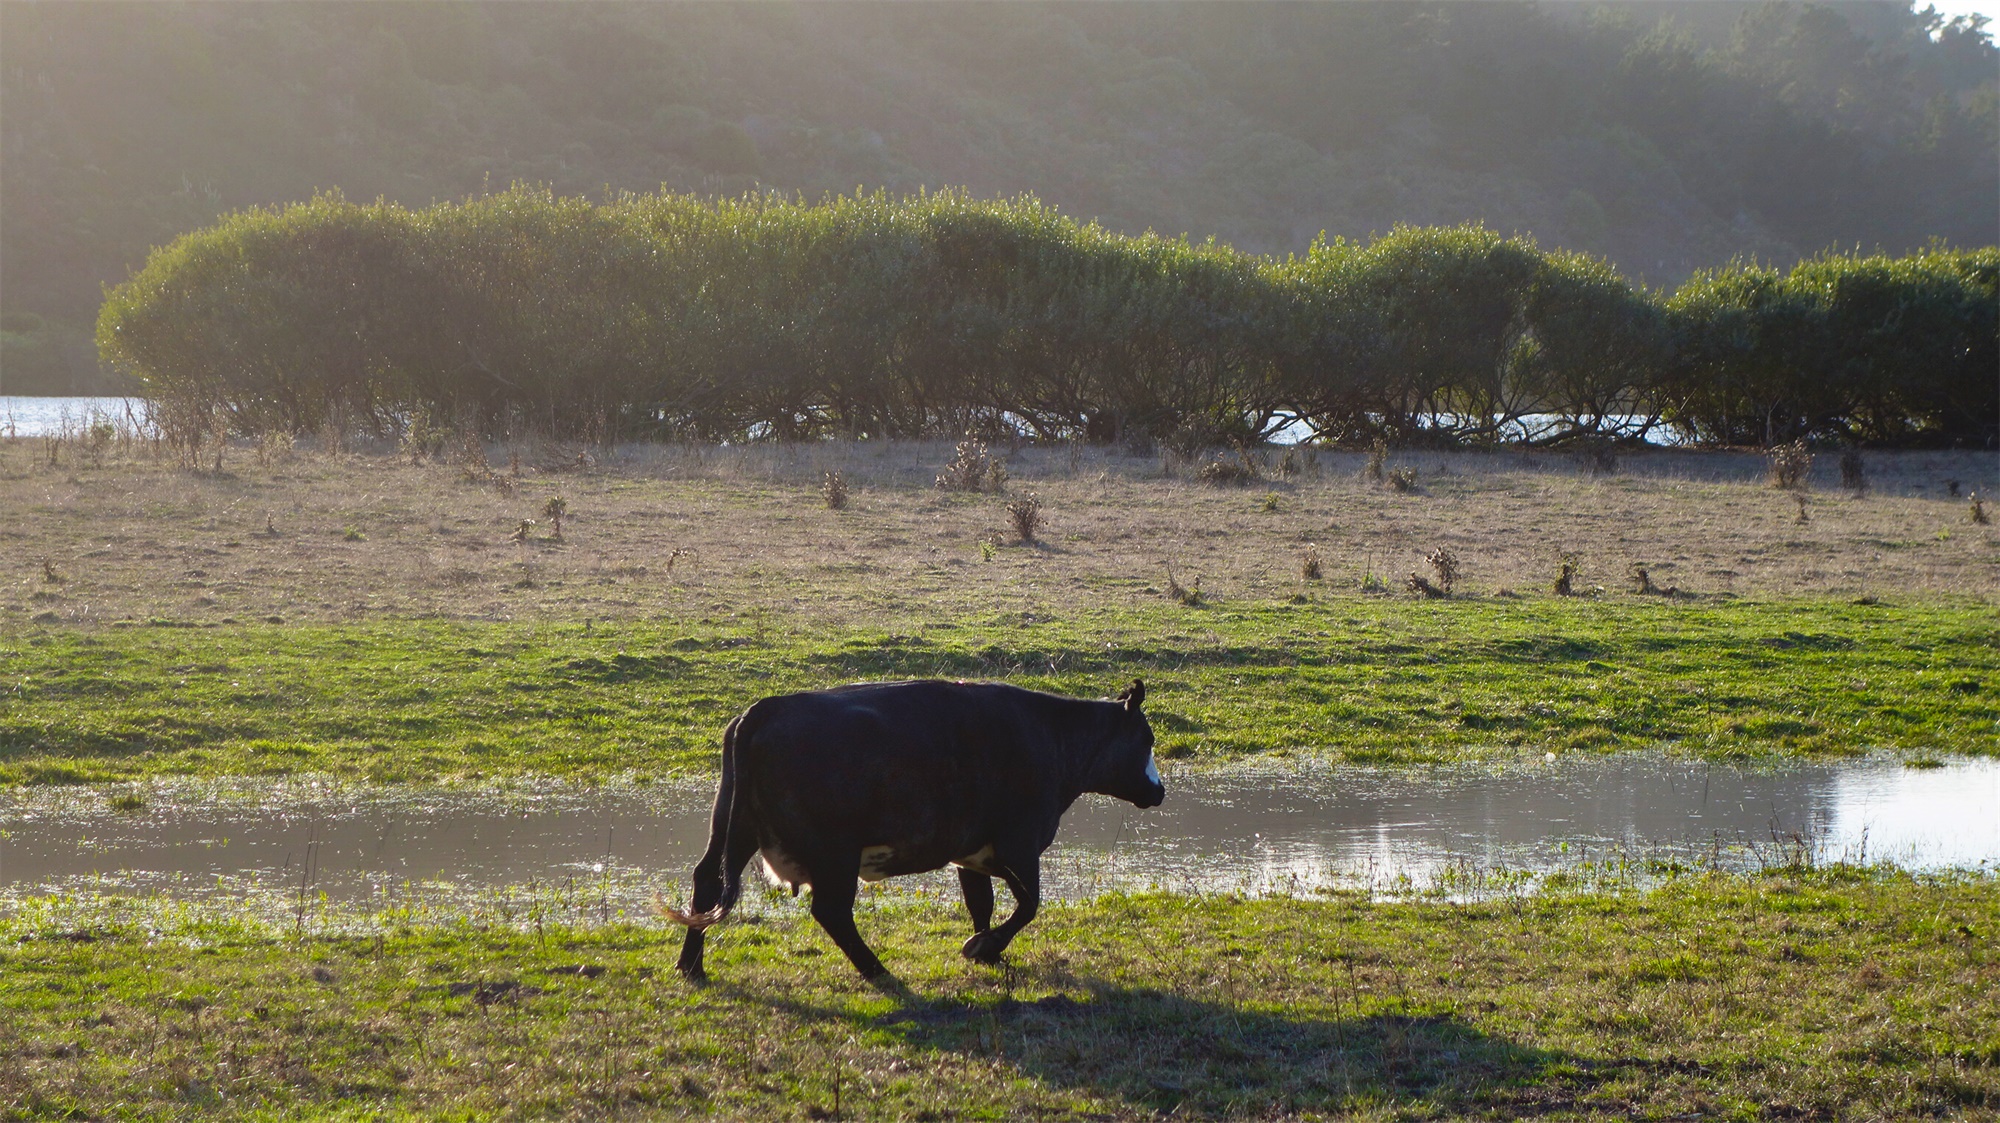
1134, 694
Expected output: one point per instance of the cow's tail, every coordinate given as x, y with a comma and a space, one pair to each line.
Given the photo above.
729, 817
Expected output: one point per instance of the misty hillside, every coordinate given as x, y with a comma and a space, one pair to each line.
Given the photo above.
1666, 137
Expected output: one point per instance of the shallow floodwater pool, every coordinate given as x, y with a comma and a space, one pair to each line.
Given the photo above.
1296, 829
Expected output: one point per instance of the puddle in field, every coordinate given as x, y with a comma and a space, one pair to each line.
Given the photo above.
1298, 829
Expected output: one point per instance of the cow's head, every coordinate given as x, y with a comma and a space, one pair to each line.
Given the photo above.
1125, 767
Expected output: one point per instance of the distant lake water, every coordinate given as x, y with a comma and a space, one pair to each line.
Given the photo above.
41, 417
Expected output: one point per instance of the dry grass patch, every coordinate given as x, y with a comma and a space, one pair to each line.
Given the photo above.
270, 540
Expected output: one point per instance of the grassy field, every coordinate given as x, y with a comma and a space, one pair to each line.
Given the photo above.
1374, 679
1798, 994
361, 615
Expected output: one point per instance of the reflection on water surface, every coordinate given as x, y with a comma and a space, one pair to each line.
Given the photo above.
1296, 829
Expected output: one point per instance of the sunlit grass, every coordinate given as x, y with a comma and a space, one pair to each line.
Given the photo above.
1358, 678
1820, 993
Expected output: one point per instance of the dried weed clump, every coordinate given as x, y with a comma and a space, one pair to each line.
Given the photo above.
1446, 564
833, 489
474, 468
1403, 479
1026, 515
1599, 459
1853, 473
973, 468
1569, 566
554, 510
1239, 469
1790, 465
1979, 509
1309, 563
1642, 583
1182, 593
1417, 583
1378, 455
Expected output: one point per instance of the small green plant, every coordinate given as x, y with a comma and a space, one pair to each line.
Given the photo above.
353, 534
833, 489
522, 531
987, 550
1270, 503
128, 802
1026, 515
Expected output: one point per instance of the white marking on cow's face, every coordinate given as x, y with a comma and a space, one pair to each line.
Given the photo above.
979, 861
1152, 773
875, 862
781, 871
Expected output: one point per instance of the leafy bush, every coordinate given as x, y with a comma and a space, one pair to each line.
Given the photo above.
763, 318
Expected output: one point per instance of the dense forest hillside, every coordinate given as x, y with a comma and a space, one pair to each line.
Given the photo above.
1665, 137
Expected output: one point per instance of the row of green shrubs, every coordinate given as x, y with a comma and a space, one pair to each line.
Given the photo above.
671, 316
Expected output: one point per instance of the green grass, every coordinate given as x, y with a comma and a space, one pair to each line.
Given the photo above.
1790, 995
1357, 678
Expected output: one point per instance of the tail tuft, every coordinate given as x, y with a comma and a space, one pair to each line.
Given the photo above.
694, 920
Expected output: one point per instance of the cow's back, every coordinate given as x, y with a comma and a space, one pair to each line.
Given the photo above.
929, 767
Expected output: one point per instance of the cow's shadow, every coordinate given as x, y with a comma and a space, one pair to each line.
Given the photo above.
1157, 1050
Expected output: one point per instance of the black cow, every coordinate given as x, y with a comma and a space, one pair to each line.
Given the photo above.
881, 779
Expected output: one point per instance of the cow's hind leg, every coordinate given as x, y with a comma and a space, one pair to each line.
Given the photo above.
708, 875
1024, 879
978, 890
833, 906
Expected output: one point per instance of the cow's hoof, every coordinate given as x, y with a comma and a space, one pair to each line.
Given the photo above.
695, 976
983, 948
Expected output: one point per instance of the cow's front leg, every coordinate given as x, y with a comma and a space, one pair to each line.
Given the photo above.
833, 907
1023, 875
978, 890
